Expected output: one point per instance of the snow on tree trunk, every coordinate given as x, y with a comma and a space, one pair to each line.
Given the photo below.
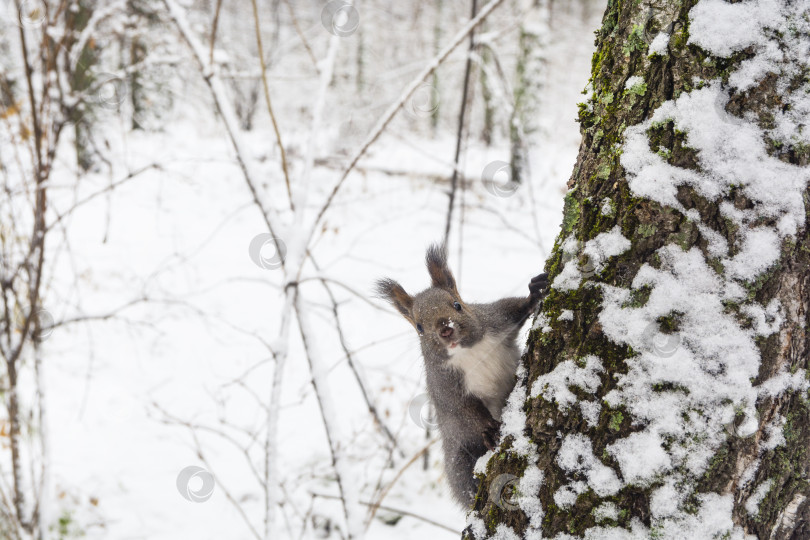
664, 391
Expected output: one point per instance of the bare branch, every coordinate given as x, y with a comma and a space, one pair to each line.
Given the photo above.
214, 84
396, 511
222, 486
389, 115
301, 35
266, 87
214, 27
372, 408
109, 188
376, 505
348, 495
465, 90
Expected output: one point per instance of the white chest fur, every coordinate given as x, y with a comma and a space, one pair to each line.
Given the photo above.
489, 370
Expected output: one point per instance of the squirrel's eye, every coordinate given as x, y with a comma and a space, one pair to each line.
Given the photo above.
420, 329
457, 306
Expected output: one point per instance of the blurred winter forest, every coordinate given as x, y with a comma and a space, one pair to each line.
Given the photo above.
197, 198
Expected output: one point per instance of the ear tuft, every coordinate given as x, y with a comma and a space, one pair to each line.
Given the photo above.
440, 275
390, 290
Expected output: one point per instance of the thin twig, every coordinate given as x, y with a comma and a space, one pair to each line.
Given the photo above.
170, 418
372, 408
396, 511
112, 186
382, 124
34, 269
292, 270
229, 118
301, 35
222, 487
376, 505
344, 482
460, 130
266, 87
347, 288
214, 27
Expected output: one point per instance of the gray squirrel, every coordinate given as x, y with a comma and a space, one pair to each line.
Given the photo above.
471, 356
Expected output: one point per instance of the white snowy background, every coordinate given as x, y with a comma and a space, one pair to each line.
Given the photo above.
192, 318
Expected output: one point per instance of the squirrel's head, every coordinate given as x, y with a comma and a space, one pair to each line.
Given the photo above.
439, 315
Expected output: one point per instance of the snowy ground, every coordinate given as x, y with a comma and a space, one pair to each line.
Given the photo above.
179, 237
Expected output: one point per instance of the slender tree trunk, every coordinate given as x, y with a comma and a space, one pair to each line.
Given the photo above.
82, 80
487, 97
438, 34
460, 132
137, 99
533, 37
664, 391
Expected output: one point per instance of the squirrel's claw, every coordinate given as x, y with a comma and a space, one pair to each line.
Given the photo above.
490, 436
538, 285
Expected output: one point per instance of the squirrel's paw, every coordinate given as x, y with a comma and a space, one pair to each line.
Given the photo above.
490, 435
539, 285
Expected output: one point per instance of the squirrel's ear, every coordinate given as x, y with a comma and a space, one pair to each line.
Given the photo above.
393, 292
440, 275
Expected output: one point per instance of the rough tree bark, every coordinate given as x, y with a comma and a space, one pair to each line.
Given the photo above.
663, 393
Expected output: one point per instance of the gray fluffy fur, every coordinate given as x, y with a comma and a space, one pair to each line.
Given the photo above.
468, 382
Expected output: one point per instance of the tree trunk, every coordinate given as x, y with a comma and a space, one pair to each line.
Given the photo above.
664, 393
530, 82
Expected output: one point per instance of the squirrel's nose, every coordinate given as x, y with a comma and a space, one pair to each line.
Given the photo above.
446, 332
